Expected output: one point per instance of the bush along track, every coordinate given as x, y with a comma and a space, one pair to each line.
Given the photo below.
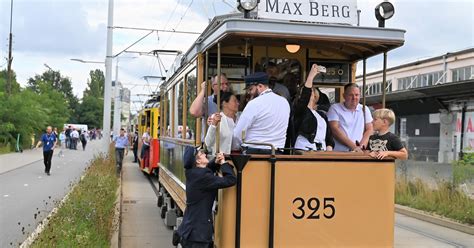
85, 218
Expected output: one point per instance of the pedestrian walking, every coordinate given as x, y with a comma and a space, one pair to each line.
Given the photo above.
121, 147
83, 139
68, 137
62, 143
49, 142
75, 139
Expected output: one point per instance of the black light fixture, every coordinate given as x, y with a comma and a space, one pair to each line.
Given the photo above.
246, 6
384, 11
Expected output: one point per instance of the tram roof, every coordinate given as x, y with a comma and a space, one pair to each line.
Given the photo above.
355, 42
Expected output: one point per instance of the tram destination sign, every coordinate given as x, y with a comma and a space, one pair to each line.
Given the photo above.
326, 11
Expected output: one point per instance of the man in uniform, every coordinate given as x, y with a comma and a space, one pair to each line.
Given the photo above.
350, 128
264, 119
202, 184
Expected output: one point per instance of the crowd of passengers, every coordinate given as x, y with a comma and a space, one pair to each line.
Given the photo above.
308, 123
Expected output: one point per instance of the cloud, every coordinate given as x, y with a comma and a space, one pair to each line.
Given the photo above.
54, 27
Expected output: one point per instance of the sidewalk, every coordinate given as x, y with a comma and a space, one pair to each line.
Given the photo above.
14, 160
141, 224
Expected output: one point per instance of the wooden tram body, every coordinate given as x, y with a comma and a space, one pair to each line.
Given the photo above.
307, 200
149, 116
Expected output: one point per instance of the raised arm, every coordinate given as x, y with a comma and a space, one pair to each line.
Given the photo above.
196, 108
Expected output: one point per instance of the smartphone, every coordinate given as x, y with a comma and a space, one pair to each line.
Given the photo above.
321, 69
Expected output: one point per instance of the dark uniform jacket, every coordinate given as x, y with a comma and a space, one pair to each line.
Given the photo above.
201, 190
305, 121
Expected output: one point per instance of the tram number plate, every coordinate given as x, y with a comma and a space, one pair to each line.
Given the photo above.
312, 209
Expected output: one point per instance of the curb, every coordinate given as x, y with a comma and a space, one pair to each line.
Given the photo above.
435, 219
115, 240
43, 223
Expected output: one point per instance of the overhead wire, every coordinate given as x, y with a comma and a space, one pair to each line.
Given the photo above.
179, 22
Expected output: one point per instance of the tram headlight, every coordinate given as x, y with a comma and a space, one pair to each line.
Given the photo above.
248, 5
384, 11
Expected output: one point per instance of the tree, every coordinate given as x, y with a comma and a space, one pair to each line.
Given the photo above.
57, 82
91, 109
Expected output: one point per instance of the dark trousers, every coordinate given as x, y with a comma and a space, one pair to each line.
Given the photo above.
47, 156
84, 143
119, 158
135, 153
192, 244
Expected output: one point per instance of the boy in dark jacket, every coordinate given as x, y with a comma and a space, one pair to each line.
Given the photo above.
202, 184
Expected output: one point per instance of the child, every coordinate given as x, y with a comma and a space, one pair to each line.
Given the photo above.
384, 143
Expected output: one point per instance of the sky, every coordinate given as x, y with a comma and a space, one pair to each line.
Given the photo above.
52, 32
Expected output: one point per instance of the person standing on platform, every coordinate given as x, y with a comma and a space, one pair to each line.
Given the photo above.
68, 137
264, 119
145, 153
351, 130
135, 147
121, 148
74, 138
49, 141
202, 184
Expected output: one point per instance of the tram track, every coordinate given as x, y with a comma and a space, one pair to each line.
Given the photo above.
427, 235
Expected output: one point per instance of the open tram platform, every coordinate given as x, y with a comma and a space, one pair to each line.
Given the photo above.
142, 226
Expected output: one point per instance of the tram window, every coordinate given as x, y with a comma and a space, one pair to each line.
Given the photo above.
191, 92
179, 102
167, 108
142, 120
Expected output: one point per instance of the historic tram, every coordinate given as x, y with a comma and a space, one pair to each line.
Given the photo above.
149, 117
294, 200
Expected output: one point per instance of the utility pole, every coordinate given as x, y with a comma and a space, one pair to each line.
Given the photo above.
10, 59
117, 102
108, 77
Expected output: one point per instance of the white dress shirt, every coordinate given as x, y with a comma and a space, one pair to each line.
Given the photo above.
264, 120
351, 123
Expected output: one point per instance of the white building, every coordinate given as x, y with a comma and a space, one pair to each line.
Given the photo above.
434, 103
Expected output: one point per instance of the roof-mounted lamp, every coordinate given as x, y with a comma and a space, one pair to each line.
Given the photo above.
246, 6
384, 11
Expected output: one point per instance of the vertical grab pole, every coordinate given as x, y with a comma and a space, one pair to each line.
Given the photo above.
384, 78
205, 114
271, 228
218, 95
364, 63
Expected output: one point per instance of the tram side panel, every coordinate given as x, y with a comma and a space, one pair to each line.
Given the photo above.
171, 173
322, 203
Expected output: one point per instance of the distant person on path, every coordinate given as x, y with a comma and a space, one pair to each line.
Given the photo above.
121, 147
62, 142
201, 190
83, 138
135, 147
75, 138
49, 142
68, 137
384, 143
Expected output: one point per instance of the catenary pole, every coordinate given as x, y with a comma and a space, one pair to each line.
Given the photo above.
108, 77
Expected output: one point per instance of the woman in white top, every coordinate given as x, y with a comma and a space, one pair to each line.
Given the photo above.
311, 124
226, 121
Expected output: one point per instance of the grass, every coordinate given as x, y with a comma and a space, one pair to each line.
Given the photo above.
446, 201
85, 219
463, 170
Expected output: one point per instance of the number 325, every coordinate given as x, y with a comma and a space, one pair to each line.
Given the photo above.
313, 205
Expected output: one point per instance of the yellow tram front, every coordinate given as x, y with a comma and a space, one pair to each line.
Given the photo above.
148, 121
294, 200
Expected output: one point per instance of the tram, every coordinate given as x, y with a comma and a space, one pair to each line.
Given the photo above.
293, 200
149, 117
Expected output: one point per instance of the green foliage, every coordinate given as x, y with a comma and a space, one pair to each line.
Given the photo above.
90, 111
447, 200
85, 219
463, 169
28, 111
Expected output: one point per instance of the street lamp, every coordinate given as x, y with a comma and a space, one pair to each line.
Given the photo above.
88, 61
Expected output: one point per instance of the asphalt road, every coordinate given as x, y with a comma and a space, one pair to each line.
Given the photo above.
27, 194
